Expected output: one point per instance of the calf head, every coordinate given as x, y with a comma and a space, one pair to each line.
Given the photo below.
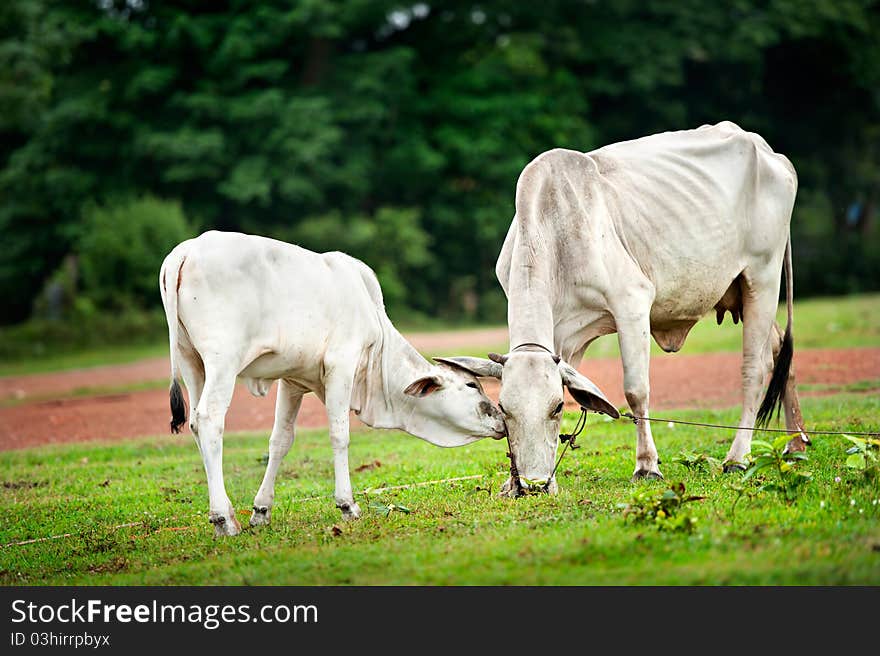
451, 408
531, 402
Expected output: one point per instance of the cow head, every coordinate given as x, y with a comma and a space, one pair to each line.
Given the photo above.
451, 408
531, 401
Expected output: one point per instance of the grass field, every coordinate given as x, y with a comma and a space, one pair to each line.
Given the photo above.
457, 533
819, 323
83, 358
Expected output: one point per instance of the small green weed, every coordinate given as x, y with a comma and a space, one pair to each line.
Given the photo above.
698, 462
863, 456
771, 457
662, 508
387, 509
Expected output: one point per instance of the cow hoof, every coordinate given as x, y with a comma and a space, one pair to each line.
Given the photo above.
224, 527
733, 467
510, 490
350, 511
260, 516
797, 444
647, 474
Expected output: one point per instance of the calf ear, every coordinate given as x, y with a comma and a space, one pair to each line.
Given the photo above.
584, 391
476, 366
423, 386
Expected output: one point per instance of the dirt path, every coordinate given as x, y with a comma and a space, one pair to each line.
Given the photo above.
677, 381
65, 382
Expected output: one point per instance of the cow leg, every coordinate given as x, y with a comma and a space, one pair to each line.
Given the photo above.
194, 380
634, 337
337, 399
759, 337
208, 421
794, 420
286, 408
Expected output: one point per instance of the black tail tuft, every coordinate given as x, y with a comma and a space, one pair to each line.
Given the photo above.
178, 408
776, 389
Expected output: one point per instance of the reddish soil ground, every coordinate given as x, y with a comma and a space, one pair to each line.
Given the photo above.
44, 411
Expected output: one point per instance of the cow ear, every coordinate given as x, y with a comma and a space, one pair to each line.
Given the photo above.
585, 392
475, 366
423, 386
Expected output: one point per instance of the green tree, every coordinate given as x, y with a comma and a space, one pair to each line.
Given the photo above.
317, 118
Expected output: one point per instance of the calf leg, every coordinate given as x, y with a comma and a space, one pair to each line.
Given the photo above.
794, 421
208, 421
286, 408
337, 393
759, 337
634, 336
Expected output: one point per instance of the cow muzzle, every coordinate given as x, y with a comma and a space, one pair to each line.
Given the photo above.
520, 486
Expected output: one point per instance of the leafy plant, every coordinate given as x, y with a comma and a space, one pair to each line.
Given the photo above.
863, 455
387, 509
771, 457
121, 246
662, 509
698, 462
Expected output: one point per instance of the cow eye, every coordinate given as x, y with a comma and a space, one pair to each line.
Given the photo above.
558, 409
474, 385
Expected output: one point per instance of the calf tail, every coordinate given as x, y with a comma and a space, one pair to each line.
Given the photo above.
169, 286
776, 389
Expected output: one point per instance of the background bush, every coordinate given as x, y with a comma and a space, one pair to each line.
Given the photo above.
119, 247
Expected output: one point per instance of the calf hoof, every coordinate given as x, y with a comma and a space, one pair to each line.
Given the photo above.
224, 527
260, 516
350, 511
647, 475
733, 467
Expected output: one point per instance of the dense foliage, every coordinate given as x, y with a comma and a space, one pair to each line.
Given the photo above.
396, 132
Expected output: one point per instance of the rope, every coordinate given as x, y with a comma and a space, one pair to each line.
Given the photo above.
568, 439
533, 344
636, 420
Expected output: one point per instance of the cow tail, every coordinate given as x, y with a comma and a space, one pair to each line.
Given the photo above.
776, 389
171, 274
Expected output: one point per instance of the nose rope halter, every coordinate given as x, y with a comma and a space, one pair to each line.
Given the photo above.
567, 438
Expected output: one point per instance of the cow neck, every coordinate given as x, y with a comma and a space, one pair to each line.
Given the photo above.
529, 308
392, 365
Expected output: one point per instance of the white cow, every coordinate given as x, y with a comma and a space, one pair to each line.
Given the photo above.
248, 306
643, 238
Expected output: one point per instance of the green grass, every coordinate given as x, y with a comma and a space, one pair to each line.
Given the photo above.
858, 386
457, 533
82, 359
